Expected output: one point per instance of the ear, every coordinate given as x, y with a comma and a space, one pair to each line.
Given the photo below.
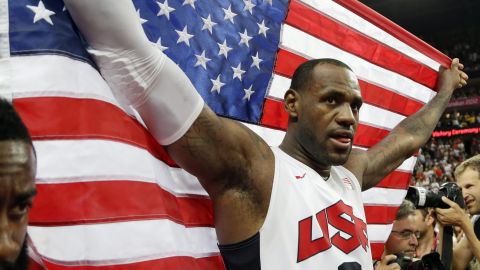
430, 219
291, 104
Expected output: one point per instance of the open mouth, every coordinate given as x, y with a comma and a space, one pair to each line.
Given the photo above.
342, 140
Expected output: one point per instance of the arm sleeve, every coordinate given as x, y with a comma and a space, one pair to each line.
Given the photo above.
138, 73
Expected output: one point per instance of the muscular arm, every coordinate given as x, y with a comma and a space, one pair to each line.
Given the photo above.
222, 153
233, 164
408, 136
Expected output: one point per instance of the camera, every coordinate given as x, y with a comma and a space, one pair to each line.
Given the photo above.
430, 261
422, 197
404, 261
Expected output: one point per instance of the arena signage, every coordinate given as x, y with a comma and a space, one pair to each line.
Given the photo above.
464, 102
454, 132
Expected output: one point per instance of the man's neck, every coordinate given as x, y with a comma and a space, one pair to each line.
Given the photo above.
296, 153
426, 244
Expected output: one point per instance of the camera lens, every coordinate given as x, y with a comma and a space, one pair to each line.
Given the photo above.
422, 197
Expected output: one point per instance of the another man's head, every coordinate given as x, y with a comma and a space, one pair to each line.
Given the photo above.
425, 223
323, 103
467, 176
17, 187
403, 238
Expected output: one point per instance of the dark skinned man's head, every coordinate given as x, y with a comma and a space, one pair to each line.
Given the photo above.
323, 104
17, 187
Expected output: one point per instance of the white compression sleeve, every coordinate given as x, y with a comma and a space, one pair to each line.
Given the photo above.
138, 73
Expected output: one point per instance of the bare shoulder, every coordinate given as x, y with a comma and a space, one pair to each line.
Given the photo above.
222, 153
357, 163
235, 166
250, 171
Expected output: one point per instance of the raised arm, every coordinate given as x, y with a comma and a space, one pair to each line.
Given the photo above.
233, 164
409, 135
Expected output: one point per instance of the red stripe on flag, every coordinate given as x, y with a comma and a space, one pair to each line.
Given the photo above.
368, 136
372, 94
274, 115
178, 262
49, 118
354, 42
378, 96
380, 214
33, 265
107, 201
396, 180
377, 250
287, 62
393, 29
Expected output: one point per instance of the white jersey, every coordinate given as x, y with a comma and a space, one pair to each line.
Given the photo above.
312, 223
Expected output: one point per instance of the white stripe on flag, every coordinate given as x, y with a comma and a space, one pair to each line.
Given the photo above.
383, 196
4, 32
123, 242
58, 162
273, 137
378, 117
352, 20
408, 164
297, 41
378, 232
72, 78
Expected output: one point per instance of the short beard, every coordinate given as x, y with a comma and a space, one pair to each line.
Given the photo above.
21, 263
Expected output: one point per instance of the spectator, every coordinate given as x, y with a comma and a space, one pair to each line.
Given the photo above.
427, 240
17, 188
402, 240
404, 235
467, 175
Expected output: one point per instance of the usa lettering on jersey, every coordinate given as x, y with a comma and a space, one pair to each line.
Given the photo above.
333, 215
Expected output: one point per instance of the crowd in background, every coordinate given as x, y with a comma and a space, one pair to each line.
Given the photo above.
463, 44
459, 120
467, 92
438, 158
466, 48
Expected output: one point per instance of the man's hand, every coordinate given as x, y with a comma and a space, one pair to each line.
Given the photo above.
452, 78
387, 263
454, 215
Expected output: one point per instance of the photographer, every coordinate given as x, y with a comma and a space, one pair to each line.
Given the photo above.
427, 242
402, 239
402, 244
467, 176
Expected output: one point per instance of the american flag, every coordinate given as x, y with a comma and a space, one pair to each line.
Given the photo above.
109, 196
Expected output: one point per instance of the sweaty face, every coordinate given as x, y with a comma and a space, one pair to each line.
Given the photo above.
469, 181
328, 115
17, 189
402, 238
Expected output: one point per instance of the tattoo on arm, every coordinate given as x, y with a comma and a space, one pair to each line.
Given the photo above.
257, 142
207, 133
424, 121
407, 137
204, 133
